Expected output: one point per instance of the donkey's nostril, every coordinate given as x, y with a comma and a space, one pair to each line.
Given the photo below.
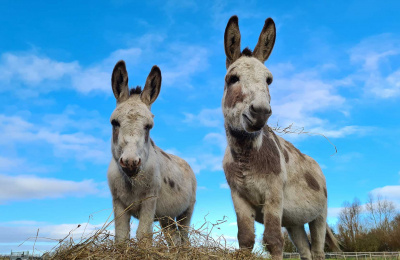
121, 162
252, 109
138, 162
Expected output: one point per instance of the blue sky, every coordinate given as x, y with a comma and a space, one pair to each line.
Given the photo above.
336, 68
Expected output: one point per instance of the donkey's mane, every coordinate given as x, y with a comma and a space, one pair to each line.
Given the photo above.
247, 52
135, 91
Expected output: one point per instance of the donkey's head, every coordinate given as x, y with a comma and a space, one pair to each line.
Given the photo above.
132, 119
246, 100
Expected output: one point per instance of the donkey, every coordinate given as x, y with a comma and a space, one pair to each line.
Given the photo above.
271, 181
145, 182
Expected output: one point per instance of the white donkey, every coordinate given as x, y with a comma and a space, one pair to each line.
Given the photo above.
271, 181
145, 182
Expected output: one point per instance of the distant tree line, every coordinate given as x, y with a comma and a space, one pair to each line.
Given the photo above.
372, 227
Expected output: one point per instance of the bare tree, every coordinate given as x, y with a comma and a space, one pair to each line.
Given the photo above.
380, 212
373, 227
349, 225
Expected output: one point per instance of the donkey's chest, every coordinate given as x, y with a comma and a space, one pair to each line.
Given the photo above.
248, 170
246, 182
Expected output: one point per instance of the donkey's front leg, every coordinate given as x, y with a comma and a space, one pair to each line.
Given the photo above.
122, 219
272, 208
245, 215
146, 218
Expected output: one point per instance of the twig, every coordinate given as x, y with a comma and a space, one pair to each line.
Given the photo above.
37, 233
290, 129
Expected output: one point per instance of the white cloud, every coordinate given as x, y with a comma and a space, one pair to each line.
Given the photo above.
224, 185
200, 161
178, 61
384, 87
32, 69
343, 131
184, 61
27, 187
374, 50
334, 212
216, 139
79, 145
205, 161
391, 192
7, 164
343, 158
206, 117
296, 97
12, 234
375, 55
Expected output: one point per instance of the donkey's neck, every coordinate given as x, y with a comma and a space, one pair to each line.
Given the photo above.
241, 141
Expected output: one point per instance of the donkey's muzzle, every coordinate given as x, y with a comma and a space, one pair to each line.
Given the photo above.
258, 116
131, 167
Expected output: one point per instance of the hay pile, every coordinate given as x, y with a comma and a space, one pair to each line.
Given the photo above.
100, 245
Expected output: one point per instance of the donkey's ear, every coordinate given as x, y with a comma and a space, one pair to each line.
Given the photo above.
152, 87
232, 41
266, 41
119, 82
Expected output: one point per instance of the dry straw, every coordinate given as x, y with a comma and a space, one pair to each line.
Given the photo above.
202, 245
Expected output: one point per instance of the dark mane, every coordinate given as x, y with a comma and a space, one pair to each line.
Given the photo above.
247, 52
135, 91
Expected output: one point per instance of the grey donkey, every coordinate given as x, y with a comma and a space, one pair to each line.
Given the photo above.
271, 181
145, 182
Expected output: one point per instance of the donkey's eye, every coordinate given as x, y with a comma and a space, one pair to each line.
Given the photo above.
269, 80
233, 79
115, 123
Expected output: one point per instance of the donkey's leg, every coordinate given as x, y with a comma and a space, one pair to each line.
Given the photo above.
318, 232
272, 209
245, 215
184, 223
170, 232
122, 219
146, 219
299, 238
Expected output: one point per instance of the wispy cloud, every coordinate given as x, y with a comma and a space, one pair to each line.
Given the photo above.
344, 131
39, 73
206, 117
224, 185
78, 145
391, 192
33, 69
377, 73
297, 97
9, 165
204, 161
28, 187
183, 62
